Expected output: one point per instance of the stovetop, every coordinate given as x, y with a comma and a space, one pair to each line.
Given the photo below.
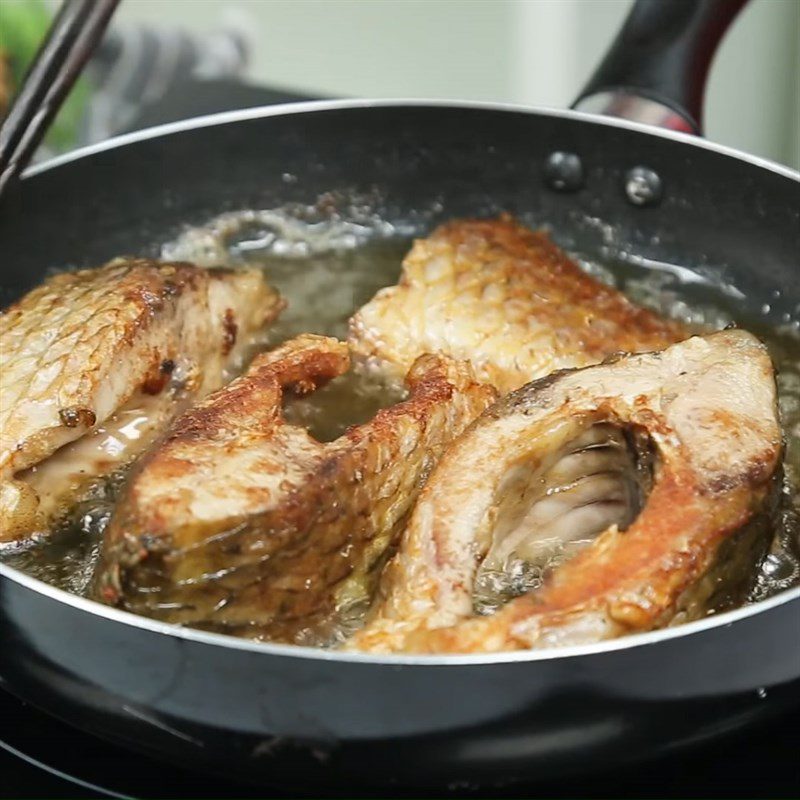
44, 757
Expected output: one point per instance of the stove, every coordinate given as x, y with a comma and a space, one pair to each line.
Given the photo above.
41, 756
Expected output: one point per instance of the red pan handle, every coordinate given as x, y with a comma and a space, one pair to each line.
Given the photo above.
656, 69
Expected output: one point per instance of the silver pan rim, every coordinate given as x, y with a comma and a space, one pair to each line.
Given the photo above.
311, 106
117, 615
391, 660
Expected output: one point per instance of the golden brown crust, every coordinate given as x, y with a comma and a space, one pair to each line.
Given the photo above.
300, 371
631, 580
708, 406
506, 299
259, 525
80, 345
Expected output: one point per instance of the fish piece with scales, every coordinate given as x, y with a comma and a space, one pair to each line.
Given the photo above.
637, 493
240, 522
506, 299
94, 363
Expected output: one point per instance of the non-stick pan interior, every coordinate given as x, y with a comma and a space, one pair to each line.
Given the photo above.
409, 167
414, 165
404, 168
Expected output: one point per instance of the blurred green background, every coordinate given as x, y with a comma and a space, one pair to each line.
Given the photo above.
23, 24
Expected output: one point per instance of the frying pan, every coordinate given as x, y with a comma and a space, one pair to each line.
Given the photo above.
301, 717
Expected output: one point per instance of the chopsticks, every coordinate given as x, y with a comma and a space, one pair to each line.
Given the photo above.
72, 38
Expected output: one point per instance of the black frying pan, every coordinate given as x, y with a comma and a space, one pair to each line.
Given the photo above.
297, 716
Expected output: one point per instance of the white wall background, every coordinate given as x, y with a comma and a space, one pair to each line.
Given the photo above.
526, 51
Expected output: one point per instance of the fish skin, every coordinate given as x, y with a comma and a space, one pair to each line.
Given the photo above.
708, 405
81, 344
240, 522
508, 300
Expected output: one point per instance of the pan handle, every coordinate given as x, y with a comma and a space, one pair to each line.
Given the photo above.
656, 69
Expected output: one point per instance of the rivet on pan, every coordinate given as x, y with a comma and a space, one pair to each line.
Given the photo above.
643, 186
563, 171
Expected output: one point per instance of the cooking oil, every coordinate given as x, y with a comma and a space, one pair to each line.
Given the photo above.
328, 267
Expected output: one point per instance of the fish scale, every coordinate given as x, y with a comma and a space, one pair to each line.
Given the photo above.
106, 331
261, 529
708, 408
506, 299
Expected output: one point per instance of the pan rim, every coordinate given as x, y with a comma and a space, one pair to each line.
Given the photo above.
311, 106
226, 641
393, 660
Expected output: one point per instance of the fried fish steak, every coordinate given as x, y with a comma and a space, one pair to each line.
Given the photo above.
508, 300
95, 362
640, 490
242, 523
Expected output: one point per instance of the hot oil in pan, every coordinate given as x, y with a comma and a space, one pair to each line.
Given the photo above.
703, 303
325, 271
684, 294
328, 269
